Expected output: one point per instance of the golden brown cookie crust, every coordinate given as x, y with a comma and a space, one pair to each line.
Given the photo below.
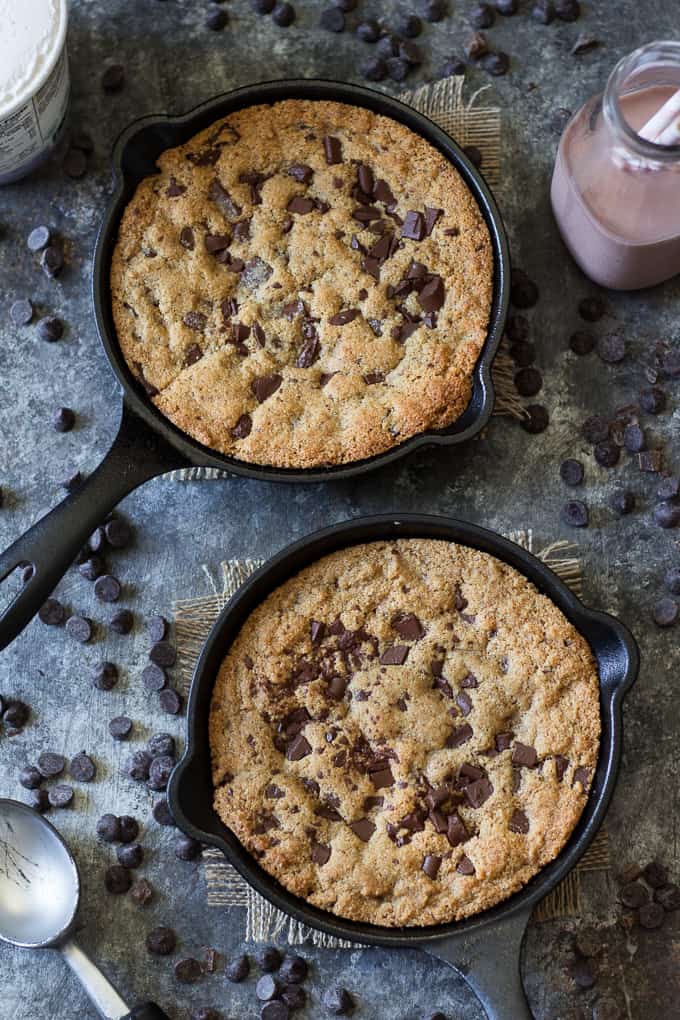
343, 391
481, 744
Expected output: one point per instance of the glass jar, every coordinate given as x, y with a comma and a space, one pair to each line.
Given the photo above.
616, 195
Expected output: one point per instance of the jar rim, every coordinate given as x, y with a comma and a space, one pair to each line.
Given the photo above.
658, 53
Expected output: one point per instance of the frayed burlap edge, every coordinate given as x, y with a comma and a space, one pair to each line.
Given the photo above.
224, 886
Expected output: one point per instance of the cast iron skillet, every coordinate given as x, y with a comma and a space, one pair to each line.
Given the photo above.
147, 444
484, 949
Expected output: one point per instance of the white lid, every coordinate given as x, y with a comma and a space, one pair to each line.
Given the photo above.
31, 39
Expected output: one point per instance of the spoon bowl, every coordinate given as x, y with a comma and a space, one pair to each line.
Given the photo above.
39, 881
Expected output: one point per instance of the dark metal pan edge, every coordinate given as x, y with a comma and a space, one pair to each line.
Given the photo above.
621, 667
467, 425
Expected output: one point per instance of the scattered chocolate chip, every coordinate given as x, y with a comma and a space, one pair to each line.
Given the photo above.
591, 308
332, 19
107, 588
651, 915
268, 959
667, 515
543, 11
571, 472
665, 612
108, 828
537, 420
60, 796
294, 969
120, 727
496, 64
142, 892
633, 438
672, 580
454, 66
668, 488
118, 532
622, 502
161, 941
267, 988
338, 1001
39, 800
528, 382
482, 16
476, 46
21, 312
163, 653
668, 896
137, 766
216, 20
583, 43
51, 765
283, 15
655, 874
52, 260
117, 880
30, 777
237, 970
606, 453
130, 855
581, 342
38, 239
82, 768
113, 78
79, 628
650, 460
129, 828
159, 772
368, 30
52, 613
170, 701
187, 848
433, 10
50, 329
161, 744
653, 400
583, 972
105, 676
122, 621
161, 813
595, 429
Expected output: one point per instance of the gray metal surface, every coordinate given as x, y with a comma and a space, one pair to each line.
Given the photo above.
506, 481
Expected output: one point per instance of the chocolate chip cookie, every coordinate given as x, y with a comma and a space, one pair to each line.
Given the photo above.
405, 732
303, 284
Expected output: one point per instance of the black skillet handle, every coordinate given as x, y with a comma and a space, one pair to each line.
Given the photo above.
488, 960
147, 1011
51, 545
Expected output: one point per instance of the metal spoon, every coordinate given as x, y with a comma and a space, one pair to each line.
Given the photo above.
39, 893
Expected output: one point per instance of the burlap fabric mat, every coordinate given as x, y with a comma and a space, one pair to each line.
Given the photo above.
469, 122
224, 887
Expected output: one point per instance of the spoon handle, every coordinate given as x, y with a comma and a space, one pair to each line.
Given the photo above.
103, 995
147, 1011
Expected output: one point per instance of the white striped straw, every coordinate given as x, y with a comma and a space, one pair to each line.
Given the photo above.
670, 135
661, 119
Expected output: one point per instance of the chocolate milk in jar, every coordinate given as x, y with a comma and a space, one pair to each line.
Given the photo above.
616, 185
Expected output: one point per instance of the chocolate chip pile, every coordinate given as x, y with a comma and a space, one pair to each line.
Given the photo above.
49, 766
647, 894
